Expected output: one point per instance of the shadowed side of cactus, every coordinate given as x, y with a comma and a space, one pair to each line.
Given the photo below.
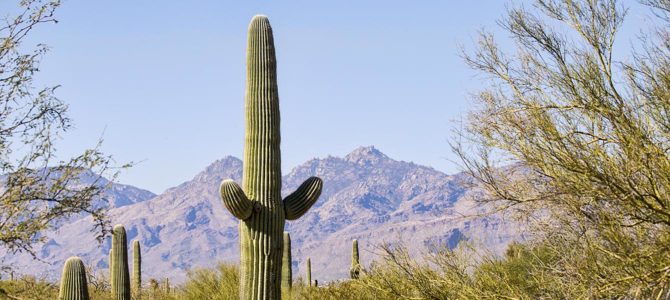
287, 272
73, 284
355, 270
120, 282
258, 204
309, 272
137, 270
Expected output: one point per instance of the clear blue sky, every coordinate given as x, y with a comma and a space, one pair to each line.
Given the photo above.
163, 81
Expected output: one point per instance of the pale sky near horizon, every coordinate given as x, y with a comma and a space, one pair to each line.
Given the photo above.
164, 84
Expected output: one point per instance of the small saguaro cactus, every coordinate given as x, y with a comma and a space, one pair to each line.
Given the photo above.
137, 270
73, 284
258, 204
309, 272
355, 270
287, 272
120, 281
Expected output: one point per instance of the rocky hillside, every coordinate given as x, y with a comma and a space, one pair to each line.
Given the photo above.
367, 196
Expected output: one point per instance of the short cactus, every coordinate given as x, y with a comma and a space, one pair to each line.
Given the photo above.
120, 281
355, 270
309, 272
287, 272
137, 270
258, 204
73, 284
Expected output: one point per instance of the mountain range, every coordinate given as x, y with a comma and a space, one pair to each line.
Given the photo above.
366, 196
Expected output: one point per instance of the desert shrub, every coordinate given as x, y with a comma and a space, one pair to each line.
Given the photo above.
220, 283
28, 287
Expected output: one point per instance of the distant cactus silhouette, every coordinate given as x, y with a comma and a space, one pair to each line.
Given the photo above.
258, 204
355, 270
73, 283
120, 277
309, 272
287, 270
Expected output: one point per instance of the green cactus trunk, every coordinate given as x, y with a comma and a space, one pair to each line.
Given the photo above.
110, 261
137, 270
73, 284
309, 272
120, 281
258, 204
355, 270
287, 272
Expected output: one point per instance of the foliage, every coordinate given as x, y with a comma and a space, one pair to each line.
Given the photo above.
38, 189
576, 143
221, 283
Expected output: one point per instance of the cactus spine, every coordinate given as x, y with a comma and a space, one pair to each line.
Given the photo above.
137, 270
73, 285
120, 281
287, 271
309, 272
355, 270
258, 204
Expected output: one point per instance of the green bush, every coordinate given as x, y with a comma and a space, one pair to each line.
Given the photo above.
221, 283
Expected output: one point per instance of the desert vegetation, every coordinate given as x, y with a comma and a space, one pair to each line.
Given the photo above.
570, 138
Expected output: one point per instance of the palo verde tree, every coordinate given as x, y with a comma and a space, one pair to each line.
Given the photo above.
574, 136
38, 189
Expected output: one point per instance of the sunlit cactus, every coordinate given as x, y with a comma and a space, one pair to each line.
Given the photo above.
287, 270
120, 281
73, 283
137, 270
258, 204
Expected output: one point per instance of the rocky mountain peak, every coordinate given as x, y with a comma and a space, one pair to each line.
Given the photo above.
366, 196
227, 167
366, 156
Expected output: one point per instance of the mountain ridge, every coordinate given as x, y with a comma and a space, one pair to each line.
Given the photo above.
367, 195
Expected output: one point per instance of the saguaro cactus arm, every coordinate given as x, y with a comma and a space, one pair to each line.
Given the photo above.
235, 200
299, 202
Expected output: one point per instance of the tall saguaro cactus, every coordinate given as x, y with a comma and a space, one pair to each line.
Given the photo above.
137, 270
355, 270
309, 272
287, 270
258, 203
73, 284
120, 281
